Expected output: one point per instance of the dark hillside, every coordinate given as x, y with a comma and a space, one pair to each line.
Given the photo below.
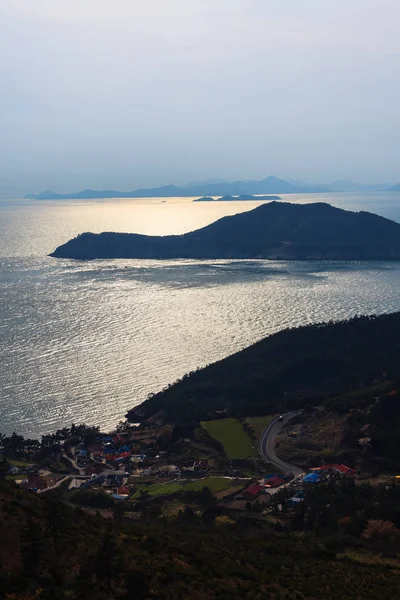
285, 370
273, 230
52, 552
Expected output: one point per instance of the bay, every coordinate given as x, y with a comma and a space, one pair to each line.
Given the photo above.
84, 342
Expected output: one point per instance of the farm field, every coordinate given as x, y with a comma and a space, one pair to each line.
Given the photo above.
230, 433
215, 484
258, 424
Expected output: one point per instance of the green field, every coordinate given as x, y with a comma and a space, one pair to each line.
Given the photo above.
215, 484
17, 477
230, 433
19, 462
258, 424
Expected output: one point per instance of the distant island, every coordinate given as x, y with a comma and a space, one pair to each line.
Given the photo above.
395, 188
277, 230
237, 198
209, 188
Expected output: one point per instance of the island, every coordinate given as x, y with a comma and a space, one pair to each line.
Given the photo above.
229, 198
276, 231
268, 185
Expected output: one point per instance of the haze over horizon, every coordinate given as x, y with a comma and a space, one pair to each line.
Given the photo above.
144, 93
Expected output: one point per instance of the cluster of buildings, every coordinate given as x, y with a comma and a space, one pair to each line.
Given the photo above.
114, 462
326, 472
261, 490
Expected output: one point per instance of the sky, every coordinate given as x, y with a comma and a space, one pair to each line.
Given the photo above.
121, 94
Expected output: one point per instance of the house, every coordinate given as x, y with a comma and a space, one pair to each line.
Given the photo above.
334, 468
198, 466
98, 455
13, 471
138, 457
252, 491
113, 480
344, 470
96, 481
272, 481
201, 464
119, 439
313, 478
295, 500
94, 469
123, 491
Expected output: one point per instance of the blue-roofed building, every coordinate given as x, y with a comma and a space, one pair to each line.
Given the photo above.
312, 478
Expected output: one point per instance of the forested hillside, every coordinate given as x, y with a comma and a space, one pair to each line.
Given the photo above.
50, 551
287, 370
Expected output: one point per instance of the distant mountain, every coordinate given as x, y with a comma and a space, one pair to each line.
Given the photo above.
165, 191
395, 188
277, 230
217, 187
269, 185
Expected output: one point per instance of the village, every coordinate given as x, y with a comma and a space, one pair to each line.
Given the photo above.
142, 466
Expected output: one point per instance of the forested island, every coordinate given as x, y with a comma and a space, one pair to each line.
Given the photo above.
276, 230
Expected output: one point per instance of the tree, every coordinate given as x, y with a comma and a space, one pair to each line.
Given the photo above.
4, 467
106, 564
382, 535
13, 445
32, 548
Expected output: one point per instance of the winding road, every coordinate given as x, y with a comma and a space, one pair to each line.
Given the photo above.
268, 443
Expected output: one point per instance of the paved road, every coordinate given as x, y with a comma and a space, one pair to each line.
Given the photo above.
53, 487
268, 442
73, 463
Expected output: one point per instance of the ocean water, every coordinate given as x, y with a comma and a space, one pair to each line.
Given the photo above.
84, 342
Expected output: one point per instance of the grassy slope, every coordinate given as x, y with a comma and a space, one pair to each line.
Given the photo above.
230, 433
215, 484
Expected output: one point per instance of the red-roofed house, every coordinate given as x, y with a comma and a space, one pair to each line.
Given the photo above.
343, 470
252, 491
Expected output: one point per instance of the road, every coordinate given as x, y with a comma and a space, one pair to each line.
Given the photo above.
268, 443
53, 487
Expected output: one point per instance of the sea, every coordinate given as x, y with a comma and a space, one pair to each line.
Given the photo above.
83, 342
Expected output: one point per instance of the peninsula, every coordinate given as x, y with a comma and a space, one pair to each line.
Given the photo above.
276, 230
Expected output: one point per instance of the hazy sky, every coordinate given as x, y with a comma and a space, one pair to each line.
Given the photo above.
129, 93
